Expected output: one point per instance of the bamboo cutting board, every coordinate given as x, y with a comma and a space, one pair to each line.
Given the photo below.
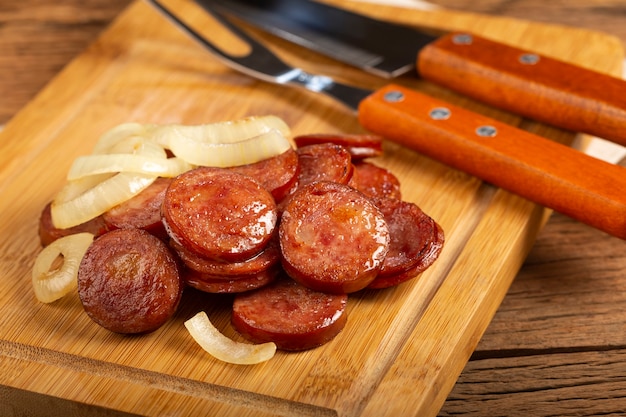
402, 349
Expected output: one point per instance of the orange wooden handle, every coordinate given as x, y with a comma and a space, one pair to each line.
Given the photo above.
537, 87
548, 173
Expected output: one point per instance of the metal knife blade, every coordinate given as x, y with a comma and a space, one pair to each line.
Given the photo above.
522, 82
345, 36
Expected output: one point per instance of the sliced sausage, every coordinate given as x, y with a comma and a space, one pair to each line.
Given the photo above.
375, 181
143, 211
278, 175
413, 234
230, 285
332, 238
290, 315
426, 259
129, 281
269, 257
219, 214
360, 146
48, 233
324, 162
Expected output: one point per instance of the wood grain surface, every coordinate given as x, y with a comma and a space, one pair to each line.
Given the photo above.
556, 345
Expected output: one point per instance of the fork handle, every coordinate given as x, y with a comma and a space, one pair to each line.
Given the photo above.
553, 175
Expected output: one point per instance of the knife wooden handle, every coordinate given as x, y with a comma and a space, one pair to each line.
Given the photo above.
537, 87
545, 172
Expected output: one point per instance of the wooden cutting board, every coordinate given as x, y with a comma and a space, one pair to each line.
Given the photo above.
402, 349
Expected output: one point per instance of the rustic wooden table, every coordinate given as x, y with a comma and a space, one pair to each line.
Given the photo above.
557, 345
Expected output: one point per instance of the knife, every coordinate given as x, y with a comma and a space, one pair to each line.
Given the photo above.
522, 82
554, 175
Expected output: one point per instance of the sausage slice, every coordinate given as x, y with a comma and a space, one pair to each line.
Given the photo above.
219, 214
129, 281
360, 146
290, 315
324, 162
375, 181
416, 241
332, 238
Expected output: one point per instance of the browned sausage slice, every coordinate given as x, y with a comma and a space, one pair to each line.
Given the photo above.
230, 285
290, 315
219, 214
332, 238
269, 257
415, 238
324, 162
143, 211
360, 146
426, 258
129, 281
375, 181
278, 175
48, 233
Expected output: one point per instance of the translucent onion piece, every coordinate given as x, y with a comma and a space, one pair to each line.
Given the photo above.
136, 145
73, 189
223, 348
98, 199
222, 132
100, 164
50, 285
244, 152
119, 134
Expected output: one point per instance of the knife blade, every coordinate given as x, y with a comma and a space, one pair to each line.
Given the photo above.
523, 82
548, 173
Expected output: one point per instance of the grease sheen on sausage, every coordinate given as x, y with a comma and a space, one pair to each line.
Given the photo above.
416, 241
332, 238
219, 214
324, 162
129, 281
290, 315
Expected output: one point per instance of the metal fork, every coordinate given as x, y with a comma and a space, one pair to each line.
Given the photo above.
261, 63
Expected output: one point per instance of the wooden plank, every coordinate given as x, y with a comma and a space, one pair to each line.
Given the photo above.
568, 303
541, 385
144, 70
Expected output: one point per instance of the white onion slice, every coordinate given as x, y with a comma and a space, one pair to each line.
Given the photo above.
221, 132
50, 285
98, 199
111, 163
118, 135
73, 189
223, 348
244, 152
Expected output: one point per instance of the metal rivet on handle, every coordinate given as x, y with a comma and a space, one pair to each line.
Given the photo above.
529, 59
394, 96
462, 39
487, 131
440, 113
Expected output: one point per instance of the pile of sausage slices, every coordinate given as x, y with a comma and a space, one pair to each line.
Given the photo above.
290, 237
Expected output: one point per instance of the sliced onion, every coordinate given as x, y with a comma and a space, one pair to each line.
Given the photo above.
98, 199
111, 163
223, 348
50, 285
119, 134
244, 152
221, 132
73, 189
